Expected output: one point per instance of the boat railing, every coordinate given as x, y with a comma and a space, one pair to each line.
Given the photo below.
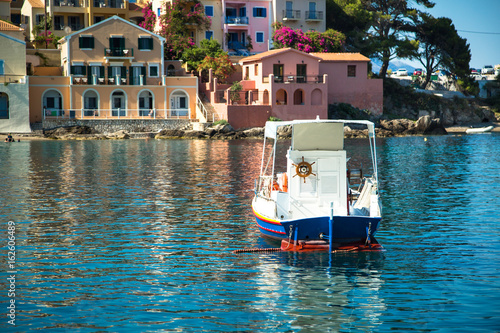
263, 186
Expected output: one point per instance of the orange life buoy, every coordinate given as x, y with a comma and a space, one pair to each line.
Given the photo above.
284, 182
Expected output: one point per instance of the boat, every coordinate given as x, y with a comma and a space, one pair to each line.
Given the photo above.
479, 130
315, 198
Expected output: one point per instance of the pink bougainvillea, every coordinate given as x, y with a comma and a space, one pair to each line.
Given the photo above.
311, 41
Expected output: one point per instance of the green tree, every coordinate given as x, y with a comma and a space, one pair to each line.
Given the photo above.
440, 46
178, 15
195, 55
391, 28
221, 65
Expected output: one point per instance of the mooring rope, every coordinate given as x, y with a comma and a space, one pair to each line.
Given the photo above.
272, 249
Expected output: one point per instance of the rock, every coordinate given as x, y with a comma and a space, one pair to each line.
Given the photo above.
223, 128
257, 132
426, 125
118, 135
195, 134
169, 134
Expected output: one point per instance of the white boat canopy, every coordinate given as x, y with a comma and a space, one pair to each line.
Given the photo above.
271, 129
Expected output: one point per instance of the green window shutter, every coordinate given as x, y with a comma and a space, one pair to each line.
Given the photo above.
101, 71
72, 70
89, 75
122, 43
139, 42
110, 72
150, 43
84, 70
124, 72
131, 74
92, 42
143, 71
80, 42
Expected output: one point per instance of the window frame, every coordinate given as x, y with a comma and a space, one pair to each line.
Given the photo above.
206, 12
211, 32
257, 35
157, 66
149, 46
351, 70
260, 12
86, 38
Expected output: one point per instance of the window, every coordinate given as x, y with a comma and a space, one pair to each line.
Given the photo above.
154, 70
58, 22
98, 19
259, 12
209, 10
256, 70
38, 18
2, 67
78, 70
209, 34
74, 22
4, 105
159, 12
351, 71
86, 42
301, 73
259, 37
145, 43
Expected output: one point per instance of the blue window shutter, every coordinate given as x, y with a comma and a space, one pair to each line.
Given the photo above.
254, 12
264, 12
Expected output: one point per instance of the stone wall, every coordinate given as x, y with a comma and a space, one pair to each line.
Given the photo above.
111, 126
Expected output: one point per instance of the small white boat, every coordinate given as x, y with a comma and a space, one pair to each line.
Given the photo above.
479, 130
310, 199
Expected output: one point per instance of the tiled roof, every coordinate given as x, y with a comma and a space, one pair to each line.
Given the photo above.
340, 56
36, 3
5, 26
260, 56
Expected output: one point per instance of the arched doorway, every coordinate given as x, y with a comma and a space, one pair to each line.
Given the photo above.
90, 103
179, 104
281, 97
118, 104
298, 97
316, 97
145, 103
52, 103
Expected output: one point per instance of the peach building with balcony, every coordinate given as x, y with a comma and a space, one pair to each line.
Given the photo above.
113, 70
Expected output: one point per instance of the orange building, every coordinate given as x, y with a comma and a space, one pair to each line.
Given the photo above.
113, 70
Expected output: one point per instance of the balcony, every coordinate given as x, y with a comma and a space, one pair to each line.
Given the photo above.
118, 53
314, 15
291, 15
109, 4
238, 20
69, 3
311, 79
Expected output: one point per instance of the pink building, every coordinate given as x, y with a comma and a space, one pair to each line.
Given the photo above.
289, 84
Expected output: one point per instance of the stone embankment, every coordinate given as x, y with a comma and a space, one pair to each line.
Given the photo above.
385, 128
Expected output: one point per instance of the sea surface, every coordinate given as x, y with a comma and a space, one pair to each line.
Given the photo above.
137, 236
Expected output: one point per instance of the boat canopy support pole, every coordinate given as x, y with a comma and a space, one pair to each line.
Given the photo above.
330, 229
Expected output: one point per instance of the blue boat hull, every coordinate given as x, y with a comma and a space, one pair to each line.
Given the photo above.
345, 228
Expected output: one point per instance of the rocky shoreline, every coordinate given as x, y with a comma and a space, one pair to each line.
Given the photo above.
384, 128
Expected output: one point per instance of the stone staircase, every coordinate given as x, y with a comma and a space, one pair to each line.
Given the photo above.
211, 113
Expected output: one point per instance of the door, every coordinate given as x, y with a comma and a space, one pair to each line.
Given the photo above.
118, 104
278, 73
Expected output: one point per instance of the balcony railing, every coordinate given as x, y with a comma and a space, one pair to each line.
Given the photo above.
119, 52
69, 3
117, 113
112, 81
76, 26
7, 79
236, 20
312, 79
109, 4
290, 15
314, 15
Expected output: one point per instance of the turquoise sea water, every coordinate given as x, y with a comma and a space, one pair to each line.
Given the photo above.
137, 236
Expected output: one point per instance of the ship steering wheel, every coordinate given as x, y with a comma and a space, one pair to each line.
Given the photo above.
303, 169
